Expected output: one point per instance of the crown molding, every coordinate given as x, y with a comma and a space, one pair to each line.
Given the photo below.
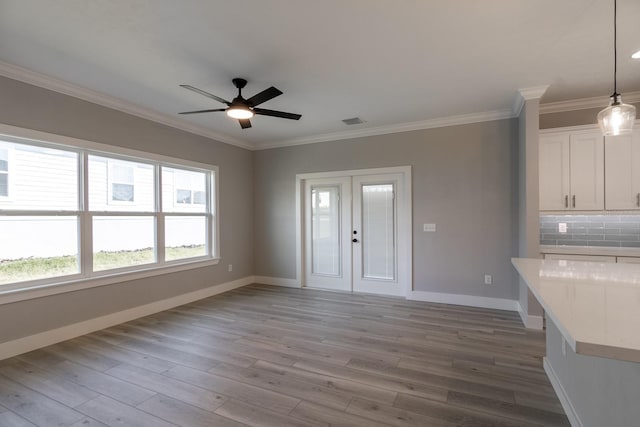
57, 85
585, 103
396, 128
527, 94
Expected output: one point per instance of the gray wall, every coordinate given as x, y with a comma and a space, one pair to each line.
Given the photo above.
36, 108
603, 392
573, 118
464, 180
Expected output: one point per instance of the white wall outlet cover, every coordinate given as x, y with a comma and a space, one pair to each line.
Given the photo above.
431, 228
488, 279
230, 267
562, 227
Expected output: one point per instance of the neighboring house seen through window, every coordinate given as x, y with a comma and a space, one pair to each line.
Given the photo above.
121, 181
4, 172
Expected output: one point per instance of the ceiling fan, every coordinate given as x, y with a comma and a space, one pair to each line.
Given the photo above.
243, 109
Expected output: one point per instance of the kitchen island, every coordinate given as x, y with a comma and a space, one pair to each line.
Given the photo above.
593, 336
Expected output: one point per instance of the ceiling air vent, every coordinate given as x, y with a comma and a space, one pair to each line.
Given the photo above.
353, 121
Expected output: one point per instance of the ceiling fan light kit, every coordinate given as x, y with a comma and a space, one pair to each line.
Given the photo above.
244, 109
617, 118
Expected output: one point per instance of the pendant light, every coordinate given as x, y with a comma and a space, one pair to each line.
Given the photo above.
617, 118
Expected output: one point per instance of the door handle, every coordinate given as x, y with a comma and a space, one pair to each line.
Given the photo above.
355, 240
574, 201
638, 200
566, 201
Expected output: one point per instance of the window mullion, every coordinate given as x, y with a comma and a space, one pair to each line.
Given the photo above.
86, 222
160, 229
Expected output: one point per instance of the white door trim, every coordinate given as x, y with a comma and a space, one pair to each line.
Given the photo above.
405, 252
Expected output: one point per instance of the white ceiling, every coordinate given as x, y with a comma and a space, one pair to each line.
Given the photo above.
389, 62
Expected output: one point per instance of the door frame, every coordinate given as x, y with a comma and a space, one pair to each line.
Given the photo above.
405, 227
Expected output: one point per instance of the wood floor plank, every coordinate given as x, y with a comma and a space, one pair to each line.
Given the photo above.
271, 356
35, 407
50, 385
9, 418
349, 387
391, 416
176, 389
454, 415
183, 414
88, 422
312, 412
235, 389
123, 355
291, 387
507, 410
114, 413
256, 416
102, 383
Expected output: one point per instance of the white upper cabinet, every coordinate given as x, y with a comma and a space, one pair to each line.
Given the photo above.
554, 172
622, 169
572, 171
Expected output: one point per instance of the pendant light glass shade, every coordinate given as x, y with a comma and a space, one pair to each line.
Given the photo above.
617, 118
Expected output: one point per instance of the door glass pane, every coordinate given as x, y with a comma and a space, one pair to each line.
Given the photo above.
120, 185
38, 247
123, 241
325, 230
378, 232
185, 237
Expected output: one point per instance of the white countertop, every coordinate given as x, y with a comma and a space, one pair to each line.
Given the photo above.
595, 305
590, 250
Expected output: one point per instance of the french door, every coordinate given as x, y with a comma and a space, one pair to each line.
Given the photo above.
352, 234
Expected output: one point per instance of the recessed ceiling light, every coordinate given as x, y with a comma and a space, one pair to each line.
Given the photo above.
636, 55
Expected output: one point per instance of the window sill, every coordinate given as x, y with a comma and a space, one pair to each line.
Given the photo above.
39, 291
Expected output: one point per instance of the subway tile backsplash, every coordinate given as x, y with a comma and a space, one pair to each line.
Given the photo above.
591, 230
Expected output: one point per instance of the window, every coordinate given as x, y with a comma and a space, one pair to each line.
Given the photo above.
78, 213
121, 181
4, 172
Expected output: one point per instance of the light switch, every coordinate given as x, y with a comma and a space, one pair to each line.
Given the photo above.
430, 228
562, 227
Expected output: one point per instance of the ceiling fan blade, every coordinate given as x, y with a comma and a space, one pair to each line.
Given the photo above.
203, 111
244, 123
263, 96
207, 94
274, 113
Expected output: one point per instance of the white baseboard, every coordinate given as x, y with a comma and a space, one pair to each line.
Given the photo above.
466, 300
562, 395
277, 281
43, 339
530, 321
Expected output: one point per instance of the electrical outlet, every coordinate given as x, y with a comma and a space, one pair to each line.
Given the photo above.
430, 228
488, 279
562, 227
230, 267
564, 347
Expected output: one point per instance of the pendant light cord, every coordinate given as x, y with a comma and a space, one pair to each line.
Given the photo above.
615, 47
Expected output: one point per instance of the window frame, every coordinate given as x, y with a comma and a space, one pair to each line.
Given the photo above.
87, 278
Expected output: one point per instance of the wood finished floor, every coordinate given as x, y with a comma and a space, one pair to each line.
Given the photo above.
270, 356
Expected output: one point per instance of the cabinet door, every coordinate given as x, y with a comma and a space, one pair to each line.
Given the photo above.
622, 171
587, 171
554, 172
